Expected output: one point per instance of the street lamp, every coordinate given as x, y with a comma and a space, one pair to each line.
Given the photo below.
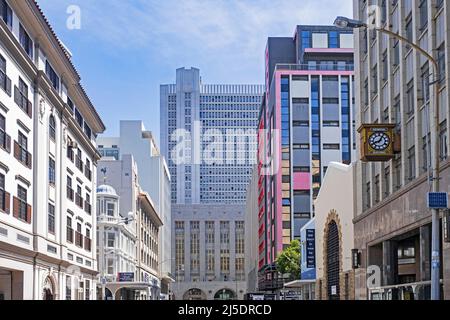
343, 22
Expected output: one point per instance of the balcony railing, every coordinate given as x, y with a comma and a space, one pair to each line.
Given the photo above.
5, 83
5, 141
21, 154
87, 244
79, 200
23, 102
70, 194
78, 239
69, 235
315, 67
79, 163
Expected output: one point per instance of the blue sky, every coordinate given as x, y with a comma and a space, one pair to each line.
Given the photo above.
126, 48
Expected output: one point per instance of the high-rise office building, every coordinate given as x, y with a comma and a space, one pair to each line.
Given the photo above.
307, 114
395, 86
218, 124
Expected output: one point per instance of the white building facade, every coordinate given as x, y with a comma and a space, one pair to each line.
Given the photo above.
154, 178
48, 128
116, 243
123, 176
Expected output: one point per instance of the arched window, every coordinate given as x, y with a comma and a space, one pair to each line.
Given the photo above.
333, 263
52, 128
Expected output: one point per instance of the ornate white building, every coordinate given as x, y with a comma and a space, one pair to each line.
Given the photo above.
117, 239
48, 157
144, 283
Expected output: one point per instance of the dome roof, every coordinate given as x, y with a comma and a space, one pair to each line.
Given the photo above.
106, 190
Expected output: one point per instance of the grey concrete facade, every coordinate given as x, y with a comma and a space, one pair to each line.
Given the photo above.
217, 278
393, 87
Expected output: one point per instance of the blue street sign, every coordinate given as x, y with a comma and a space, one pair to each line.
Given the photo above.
437, 200
125, 277
310, 248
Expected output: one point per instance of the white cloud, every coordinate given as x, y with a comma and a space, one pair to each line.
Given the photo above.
176, 25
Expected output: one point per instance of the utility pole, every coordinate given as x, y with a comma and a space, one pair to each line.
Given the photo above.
433, 167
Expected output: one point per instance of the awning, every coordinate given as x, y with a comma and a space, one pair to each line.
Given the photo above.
298, 283
128, 285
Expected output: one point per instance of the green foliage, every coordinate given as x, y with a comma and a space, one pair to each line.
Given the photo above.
288, 262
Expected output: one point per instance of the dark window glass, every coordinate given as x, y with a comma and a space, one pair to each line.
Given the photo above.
52, 76
25, 41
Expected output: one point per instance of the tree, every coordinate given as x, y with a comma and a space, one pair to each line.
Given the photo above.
288, 262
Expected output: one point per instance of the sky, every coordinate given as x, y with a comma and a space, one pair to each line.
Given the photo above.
125, 49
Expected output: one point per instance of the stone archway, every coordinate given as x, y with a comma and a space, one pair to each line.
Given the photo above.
194, 294
225, 294
332, 257
49, 289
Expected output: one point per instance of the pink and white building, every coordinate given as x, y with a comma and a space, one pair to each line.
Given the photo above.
308, 116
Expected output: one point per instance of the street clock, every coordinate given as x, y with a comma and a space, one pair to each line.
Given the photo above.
378, 142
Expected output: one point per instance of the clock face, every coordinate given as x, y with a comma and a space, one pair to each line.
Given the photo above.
379, 141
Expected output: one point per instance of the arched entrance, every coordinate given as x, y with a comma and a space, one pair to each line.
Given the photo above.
194, 294
225, 294
48, 290
333, 245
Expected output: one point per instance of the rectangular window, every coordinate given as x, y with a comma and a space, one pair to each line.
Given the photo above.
411, 164
329, 123
68, 288
409, 108
51, 172
87, 131
5, 81
52, 76
21, 97
443, 141
3, 197
111, 240
441, 62
423, 14
79, 118
330, 146
22, 203
25, 41
69, 230
51, 218
425, 80
396, 47
6, 13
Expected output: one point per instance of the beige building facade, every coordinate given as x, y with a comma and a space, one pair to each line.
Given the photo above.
392, 222
334, 234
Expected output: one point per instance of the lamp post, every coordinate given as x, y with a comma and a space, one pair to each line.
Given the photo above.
433, 176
